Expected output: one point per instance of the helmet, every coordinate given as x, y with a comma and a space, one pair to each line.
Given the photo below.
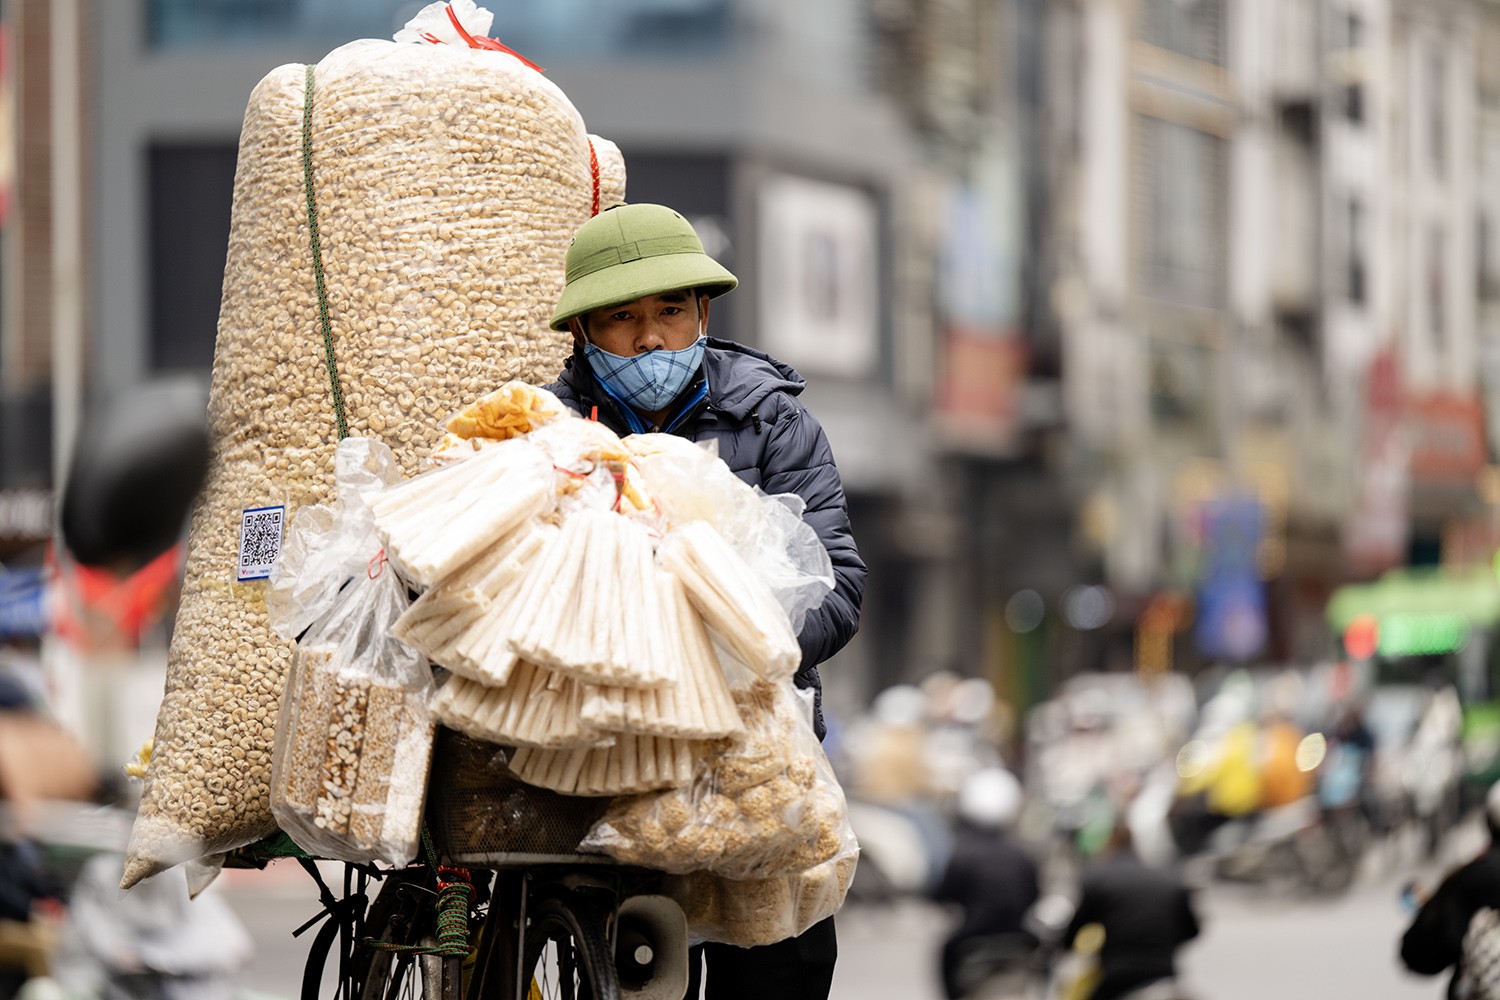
630, 251
900, 705
991, 798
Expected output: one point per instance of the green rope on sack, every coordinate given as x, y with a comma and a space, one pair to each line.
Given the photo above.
316, 246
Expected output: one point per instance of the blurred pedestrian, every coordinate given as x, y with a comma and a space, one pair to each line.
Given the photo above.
152, 943
991, 877
1146, 914
1458, 927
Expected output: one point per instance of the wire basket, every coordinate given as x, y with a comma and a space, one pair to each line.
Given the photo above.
480, 813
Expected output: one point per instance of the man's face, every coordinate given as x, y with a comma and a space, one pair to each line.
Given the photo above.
670, 321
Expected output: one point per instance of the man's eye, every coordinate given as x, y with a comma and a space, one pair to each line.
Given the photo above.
620, 317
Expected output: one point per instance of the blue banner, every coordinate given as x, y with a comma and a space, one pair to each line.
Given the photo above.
1231, 620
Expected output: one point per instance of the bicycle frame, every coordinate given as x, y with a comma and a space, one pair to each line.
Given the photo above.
600, 921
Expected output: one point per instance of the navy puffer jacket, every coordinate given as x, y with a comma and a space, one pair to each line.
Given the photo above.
746, 401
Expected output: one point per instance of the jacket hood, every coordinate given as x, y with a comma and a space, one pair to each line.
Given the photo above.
739, 377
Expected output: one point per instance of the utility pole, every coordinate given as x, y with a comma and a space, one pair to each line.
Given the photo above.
67, 234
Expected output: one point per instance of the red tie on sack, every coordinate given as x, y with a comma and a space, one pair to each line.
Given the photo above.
482, 42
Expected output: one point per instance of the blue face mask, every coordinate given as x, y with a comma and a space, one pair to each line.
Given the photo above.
650, 381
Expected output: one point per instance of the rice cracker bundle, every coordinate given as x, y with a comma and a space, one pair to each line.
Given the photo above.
401, 214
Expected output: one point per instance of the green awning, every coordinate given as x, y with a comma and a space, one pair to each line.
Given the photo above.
1471, 593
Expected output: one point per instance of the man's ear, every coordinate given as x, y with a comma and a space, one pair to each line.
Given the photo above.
575, 325
703, 303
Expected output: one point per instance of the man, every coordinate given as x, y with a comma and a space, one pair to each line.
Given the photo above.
637, 299
993, 878
1436, 939
1146, 913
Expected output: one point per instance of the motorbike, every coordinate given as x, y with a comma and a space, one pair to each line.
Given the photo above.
1039, 964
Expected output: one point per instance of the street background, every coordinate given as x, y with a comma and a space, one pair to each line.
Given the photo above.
1157, 341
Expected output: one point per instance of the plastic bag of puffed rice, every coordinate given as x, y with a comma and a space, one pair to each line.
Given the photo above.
354, 739
401, 215
763, 804
752, 912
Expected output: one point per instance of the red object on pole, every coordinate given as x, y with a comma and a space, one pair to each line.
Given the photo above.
1362, 637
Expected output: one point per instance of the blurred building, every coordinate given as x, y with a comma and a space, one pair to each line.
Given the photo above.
1273, 223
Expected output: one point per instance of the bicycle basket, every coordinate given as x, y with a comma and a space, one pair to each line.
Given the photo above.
481, 813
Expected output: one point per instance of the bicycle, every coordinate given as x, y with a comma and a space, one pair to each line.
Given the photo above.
502, 857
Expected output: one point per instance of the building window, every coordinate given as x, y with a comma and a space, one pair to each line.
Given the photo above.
191, 190
1193, 28
1436, 269
1437, 113
554, 26
1484, 258
1356, 272
1354, 102
1350, 34
1180, 225
171, 23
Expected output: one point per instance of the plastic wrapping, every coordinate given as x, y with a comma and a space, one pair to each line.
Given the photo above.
790, 557
437, 522
753, 912
447, 182
762, 805
354, 740
592, 469
689, 482
329, 543
736, 604
686, 482
514, 409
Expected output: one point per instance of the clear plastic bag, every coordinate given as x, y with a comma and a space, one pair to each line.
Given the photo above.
762, 805
753, 912
686, 481
354, 738
789, 556
329, 543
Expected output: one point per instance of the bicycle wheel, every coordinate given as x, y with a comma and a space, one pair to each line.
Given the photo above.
567, 951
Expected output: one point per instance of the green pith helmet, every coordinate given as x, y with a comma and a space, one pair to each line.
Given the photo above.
631, 251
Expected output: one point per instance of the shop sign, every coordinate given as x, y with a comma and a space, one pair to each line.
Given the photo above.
1447, 438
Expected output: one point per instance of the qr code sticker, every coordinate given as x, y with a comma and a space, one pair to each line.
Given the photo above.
260, 541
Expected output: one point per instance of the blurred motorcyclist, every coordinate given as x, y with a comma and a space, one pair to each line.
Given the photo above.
1435, 940
1146, 914
1345, 774
991, 876
1344, 784
1219, 774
